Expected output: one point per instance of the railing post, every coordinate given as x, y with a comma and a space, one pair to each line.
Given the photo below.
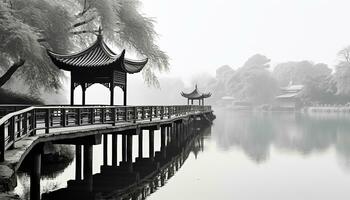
52, 117
135, 114
2, 143
25, 123
113, 115
63, 117
92, 117
47, 121
151, 113
33, 122
169, 112
155, 111
79, 116
103, 115
126, 113
143, 113
11, 131
161, 112
18, 124
116, 114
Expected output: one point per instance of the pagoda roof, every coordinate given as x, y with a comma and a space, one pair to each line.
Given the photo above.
196, 94
97, 56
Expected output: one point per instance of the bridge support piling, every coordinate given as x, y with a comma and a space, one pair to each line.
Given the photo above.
151, 143
88, 167
184, 130
77, 162
140, 145
168, 135
124, 148
178, 135
35, 174
129, 152
114, 149
162, 141
105, 149
172, 134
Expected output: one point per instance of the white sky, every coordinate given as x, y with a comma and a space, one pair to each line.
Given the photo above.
202, 35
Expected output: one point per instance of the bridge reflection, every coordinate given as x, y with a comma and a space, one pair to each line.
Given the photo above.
136, 180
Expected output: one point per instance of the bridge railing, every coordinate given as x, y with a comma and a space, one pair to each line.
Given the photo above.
8, 108
41, 119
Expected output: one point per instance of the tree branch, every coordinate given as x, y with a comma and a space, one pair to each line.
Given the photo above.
85, 9
83, 22
84, 31
4, 78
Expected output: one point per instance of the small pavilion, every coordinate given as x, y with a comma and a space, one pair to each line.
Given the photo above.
195, 95
98, 64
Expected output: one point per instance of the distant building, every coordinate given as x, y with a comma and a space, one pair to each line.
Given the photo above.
289, 97
234, 103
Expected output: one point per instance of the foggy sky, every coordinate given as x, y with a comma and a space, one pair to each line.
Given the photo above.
201, 35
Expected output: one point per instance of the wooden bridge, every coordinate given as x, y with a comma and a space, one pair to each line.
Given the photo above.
25, 132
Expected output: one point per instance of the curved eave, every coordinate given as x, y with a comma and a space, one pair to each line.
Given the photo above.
195, 96
134, 66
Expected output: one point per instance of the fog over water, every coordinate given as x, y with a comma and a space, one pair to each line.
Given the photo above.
267, 156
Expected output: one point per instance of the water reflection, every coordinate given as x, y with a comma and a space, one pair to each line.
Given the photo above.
256, 133
148, 174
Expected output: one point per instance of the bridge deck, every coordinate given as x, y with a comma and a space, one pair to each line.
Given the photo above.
13, 157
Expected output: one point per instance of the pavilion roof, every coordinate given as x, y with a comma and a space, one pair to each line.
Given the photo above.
196, 94
97, 56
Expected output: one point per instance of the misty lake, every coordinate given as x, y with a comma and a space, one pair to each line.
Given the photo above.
249, 156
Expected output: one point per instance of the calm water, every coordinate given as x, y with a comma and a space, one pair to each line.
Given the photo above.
249, 156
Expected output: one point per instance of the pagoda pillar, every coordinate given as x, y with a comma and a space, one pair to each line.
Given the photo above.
191, 101
71, 91
125, 97
125, 90
83, 88
111, 88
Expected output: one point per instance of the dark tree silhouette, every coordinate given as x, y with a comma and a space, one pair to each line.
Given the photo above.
4, 78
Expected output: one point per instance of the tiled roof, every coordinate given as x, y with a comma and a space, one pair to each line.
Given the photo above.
98, 55
195, 94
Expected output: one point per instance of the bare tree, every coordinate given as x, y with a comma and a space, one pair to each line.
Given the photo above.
344, 54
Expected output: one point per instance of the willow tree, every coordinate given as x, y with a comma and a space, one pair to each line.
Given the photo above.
29, 27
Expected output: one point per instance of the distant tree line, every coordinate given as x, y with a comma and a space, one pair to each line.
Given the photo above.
257, 83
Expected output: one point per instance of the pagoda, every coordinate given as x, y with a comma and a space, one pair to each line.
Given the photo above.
98, 64
196, 95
